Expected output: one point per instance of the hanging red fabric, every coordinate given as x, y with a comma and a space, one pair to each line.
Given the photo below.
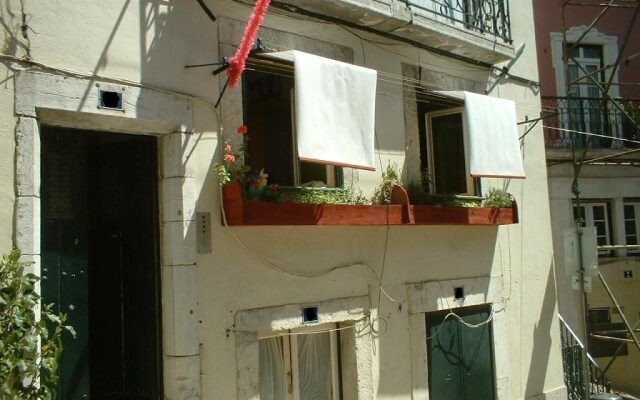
237, 62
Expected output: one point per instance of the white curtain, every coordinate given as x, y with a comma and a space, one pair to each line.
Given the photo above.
335, 108
272, 373
314, 366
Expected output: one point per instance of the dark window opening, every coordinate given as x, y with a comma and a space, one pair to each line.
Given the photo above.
442, 147
600, 328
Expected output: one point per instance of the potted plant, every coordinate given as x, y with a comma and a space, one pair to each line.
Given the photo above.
231, 176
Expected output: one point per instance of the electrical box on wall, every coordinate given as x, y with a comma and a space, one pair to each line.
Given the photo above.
589, 251
203, 232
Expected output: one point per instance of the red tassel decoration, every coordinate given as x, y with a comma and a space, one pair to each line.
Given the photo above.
237, 62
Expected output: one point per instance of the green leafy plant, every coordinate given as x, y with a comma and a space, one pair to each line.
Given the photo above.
30, 347
497, 198
311, 195
390, 178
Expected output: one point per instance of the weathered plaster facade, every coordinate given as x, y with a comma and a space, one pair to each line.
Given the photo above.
255, 280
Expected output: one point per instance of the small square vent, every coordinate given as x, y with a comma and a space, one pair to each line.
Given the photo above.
110, 100
309, 314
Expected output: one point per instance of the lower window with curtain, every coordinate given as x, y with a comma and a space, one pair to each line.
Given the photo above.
301, 365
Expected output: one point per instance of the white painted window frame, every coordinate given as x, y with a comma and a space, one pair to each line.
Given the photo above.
589, 221
432, 170
439, 295
609, 54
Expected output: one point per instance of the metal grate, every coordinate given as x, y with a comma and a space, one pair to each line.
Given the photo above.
483, 16
592, 115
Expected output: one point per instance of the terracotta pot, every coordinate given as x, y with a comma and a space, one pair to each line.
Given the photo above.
232, 198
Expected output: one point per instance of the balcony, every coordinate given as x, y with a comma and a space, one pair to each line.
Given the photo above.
600, 117
478, 29
481, 16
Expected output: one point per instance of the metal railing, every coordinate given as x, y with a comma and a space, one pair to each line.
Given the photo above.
483, 16
572, 350
611, 129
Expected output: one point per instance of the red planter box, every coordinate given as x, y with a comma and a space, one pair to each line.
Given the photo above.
439, 215
241, 212
269, 213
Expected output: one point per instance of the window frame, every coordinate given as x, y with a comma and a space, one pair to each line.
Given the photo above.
429, 132
289, 340
284, 69
636, 220
589, 221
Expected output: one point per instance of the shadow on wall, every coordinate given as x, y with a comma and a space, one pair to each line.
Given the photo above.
542, 341
171, 37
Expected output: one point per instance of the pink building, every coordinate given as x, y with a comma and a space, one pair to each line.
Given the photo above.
607, 146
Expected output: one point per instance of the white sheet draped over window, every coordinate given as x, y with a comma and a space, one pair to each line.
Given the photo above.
335, 107
491, 135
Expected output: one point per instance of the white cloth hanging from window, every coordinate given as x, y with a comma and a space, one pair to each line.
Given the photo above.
335, 110
492, 137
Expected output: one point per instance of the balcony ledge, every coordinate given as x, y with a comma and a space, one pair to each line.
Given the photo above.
398, 18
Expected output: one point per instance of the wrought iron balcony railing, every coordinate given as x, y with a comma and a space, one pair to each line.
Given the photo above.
483, 16
572, 362
608, 126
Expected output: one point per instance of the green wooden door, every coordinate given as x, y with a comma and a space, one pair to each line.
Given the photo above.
100, 261
460, 358
65, 251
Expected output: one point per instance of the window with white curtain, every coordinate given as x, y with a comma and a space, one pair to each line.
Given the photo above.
300, 365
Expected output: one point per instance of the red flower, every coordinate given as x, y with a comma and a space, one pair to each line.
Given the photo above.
229, 158
227, 148
242, 130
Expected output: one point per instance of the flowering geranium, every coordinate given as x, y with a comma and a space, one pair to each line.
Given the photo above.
231, 170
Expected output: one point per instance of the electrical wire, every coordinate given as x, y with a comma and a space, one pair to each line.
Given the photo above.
362, 322
591, 134
108, 79
459, 318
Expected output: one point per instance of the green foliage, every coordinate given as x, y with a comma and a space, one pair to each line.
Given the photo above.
497, 198
25, 372
390, 178
310, 195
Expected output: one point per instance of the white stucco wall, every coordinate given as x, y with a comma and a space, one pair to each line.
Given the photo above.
149, 43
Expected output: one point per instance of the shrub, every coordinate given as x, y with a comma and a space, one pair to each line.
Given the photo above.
390, 178
497, 198
30, 347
